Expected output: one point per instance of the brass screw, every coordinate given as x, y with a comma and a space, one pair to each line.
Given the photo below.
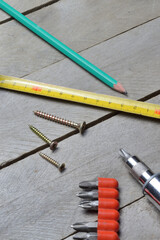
54, 162
79, 126
52, 144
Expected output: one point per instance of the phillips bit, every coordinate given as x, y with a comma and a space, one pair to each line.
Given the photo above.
101, 182
89, 205
100, 203
103, 235
85, 226
102, 225
142, 173
85, 236
100, 193
88, 195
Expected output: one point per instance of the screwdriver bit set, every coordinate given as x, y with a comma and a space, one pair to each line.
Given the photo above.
102, 196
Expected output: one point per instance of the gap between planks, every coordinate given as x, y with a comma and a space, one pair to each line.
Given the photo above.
70, 134
107, 39
32, 10
54, 1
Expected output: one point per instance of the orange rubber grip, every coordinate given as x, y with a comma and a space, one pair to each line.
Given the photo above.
107, 183
108, 225
107, 235
108, 203
108, 193
108, 214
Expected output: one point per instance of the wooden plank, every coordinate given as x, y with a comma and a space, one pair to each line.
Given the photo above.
132, 58
143, 221
43, 201
138, 221
79, 24
22, 6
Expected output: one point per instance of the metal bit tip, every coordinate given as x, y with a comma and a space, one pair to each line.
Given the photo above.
85, 226
88, 184
80, 235
77, 226
82, 195
124, 154
85, 205
85, 236
88, 195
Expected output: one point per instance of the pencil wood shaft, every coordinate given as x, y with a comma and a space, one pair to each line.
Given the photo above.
104, 77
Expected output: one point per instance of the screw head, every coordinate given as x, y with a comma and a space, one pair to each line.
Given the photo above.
61, 167
82, 127
53, 145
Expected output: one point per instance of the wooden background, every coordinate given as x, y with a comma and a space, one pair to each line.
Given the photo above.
122, 37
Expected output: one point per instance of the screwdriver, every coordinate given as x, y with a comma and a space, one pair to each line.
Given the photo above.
107, 225
100, 193
106, 203
100, 235
144, 175
101, 182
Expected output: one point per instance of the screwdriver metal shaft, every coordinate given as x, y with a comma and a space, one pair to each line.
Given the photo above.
149, 180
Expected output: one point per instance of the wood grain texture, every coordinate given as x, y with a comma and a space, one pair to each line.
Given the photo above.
79, 24
138, 221
133, 58
22, 6
144, 223
42, 201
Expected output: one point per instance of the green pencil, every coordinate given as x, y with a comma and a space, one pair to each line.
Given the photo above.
104, 77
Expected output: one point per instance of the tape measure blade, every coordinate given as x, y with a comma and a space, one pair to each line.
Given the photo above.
94, 99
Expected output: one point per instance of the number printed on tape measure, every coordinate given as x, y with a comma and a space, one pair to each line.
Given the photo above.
100, 100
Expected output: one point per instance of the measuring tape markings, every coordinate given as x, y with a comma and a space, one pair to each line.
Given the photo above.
99, 100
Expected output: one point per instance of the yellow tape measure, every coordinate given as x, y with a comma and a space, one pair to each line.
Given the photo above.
74, 95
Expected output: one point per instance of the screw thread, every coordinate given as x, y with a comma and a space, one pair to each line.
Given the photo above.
39, 134
49, 159
56, 119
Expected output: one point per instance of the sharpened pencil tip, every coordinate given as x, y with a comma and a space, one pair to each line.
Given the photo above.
119, 88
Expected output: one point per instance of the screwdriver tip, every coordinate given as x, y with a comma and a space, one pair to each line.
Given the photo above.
83, 194
85, 205
79, 235
124, 154
83, 184
87, 185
